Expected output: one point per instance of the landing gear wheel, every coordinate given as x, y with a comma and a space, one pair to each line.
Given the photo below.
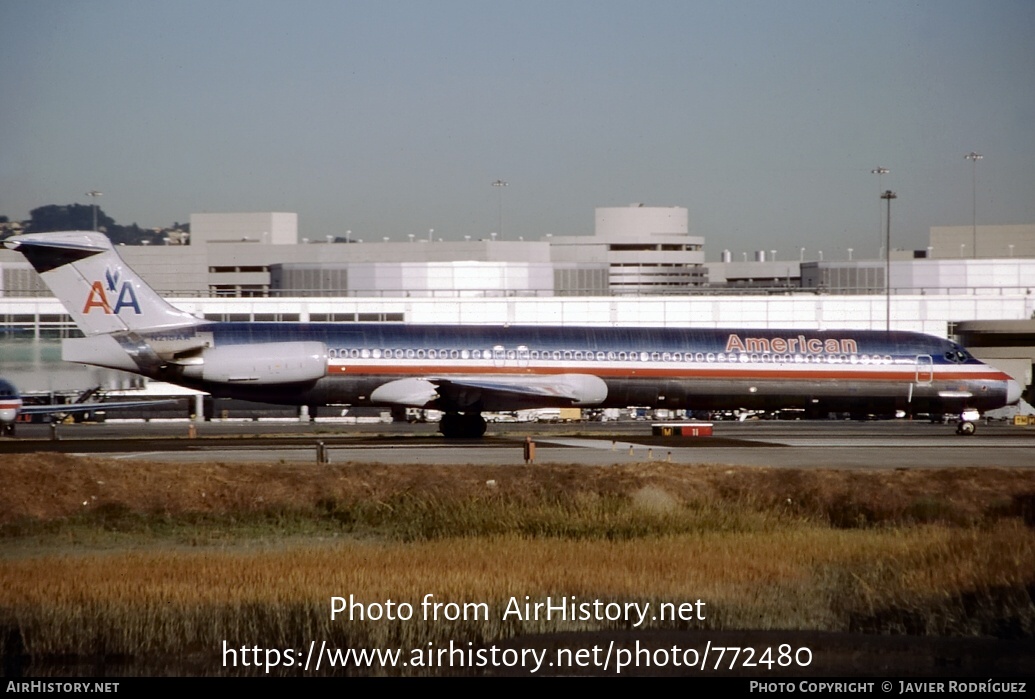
462, 426
966, 428
475, 425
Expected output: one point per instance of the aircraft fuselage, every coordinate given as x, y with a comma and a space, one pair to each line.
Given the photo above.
661, 367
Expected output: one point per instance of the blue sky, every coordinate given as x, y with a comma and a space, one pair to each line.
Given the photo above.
764, 119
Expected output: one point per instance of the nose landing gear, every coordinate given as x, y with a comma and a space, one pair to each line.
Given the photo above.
968, 422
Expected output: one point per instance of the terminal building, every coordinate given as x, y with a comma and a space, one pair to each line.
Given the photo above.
641, 267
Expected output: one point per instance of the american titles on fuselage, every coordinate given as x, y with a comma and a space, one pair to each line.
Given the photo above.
799, 344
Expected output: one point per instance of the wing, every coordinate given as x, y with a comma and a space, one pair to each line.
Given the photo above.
506, 392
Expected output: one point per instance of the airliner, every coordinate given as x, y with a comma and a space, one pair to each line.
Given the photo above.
11, 406
464, 370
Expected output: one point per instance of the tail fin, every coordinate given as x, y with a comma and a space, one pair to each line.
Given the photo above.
99, 290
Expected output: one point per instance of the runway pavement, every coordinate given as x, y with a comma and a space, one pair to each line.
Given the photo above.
799, 444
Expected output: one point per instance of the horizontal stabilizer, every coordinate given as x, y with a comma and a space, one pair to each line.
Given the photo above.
89, 407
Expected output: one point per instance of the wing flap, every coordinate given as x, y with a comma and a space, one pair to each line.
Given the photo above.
520, 392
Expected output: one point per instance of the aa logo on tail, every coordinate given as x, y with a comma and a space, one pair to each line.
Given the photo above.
98, 298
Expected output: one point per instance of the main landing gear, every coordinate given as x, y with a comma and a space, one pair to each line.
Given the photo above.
462, 425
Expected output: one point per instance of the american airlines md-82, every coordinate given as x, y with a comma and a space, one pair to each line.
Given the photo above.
464, 370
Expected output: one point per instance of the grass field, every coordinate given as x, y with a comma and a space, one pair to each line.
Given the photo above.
157, 564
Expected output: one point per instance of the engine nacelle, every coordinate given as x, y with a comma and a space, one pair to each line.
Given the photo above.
269, 363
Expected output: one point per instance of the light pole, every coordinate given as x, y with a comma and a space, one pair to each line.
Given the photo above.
93, 194
973, 158
879, 172
500, 184
889, 195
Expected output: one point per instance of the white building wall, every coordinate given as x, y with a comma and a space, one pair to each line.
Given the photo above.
450, 279
273, 228
929, 314
992, 241
647, 249
637, 220
983, 277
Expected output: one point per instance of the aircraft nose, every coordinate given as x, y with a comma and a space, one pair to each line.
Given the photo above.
1013, 391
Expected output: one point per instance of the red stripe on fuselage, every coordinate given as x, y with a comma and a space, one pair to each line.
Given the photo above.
859, 372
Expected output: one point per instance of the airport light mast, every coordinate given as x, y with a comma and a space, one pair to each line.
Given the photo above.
879, 172
500, 184
889, 195
973, 158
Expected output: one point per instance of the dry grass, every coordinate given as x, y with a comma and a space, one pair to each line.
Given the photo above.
804, 579
147, 558
53, 487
